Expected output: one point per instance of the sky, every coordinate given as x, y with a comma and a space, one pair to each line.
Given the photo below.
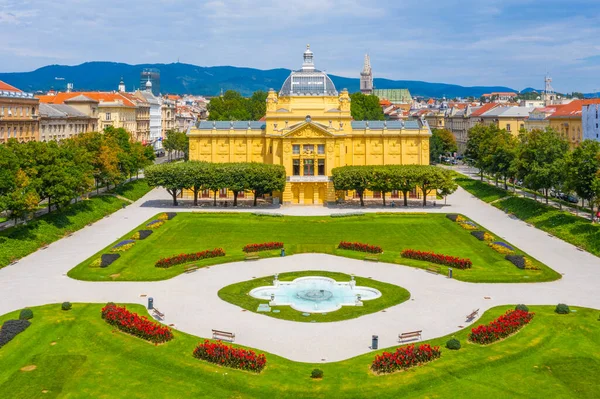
510, 43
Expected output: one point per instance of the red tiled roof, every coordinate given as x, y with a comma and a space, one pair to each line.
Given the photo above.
484, 108
573, 109
385, 103
60, 98
501, 93
6, 87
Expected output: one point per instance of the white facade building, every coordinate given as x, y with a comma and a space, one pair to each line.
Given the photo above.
155, 136
590, 121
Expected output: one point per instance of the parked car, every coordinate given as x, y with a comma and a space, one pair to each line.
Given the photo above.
573, 199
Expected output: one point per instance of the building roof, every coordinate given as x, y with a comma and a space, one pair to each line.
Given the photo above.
483, 109
115, 99
81, 99
6, 87
394, 95
226, 125
308, 81
501, 93
378, 125
60, 111
508, 112
573, 109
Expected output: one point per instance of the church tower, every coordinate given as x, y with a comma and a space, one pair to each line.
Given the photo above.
366, 77
121, 86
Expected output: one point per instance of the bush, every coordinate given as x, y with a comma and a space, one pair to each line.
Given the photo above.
185, 258
562, 308
123, 246
347, 215
316, 373
107, 259
10, 329
405, 357
26, 314
441, 259
359, 246
228, 356
136, 325
453, 344
522, 307
66, 306
505, 325
265, 246
273, 215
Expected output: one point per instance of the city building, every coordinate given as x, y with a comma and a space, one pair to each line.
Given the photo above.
395, 96
19, 116
151, 75
309, 130
538, 118
366, 77
567, 120
591, 121
62, 121
142, 117
512, 119
500, 97
168, 111
155, 116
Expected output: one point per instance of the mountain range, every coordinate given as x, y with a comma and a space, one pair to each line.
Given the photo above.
179, 78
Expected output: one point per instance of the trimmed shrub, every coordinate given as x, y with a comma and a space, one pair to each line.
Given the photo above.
155, 224
185, 258
228, 356
66, 306
26, 314
504, 326
440, 259
10, 329
273, 215
405, 357
136, 325
107, 259
562, 308
501, 247
141, 234
522, 307
316, 373
123, 246
453, 344
359, 246
347, 215
265, 246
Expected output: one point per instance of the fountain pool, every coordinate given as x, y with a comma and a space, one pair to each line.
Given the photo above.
315, 294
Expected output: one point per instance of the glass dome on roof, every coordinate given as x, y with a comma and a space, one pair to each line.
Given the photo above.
308, 81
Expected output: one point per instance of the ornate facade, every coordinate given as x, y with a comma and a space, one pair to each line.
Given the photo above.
309, 130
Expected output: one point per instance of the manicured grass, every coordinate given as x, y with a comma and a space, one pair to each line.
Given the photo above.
133, 190
481, 190
20, 241
391, 295
193, 232
555, 356
567, 227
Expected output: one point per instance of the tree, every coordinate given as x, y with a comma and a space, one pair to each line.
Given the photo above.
404, 179
442, 142
236, 176
176, 141
9, 166
168, 176
355, 178
231, 106
365, 107
216, 179
429, 178
381, 180
583, 167
23, 199
258, 104
195, 177
265, 178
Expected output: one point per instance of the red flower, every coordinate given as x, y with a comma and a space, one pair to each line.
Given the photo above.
227, 355
265, 246
136, 325
185, 258
404, 358
437, 258
358, 246
505, 325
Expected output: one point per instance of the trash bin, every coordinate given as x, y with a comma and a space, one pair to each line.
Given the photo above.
449, 272
150, 303
282, 252
374, 342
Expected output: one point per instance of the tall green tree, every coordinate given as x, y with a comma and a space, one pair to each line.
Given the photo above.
381, 180
404, 179
583, 168
265, 178
169, 176
365, 107
195, 177
442, 142
357, 178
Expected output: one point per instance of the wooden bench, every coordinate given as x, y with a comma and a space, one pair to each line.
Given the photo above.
434, 269
409, 335
158, 313
372, 258
190, 268
223, 334
472, 315
252, 256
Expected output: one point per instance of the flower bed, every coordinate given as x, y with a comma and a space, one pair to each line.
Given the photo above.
136, 325
155, 224
521, 262
11, 328
107, 259
185, 258
167, 216
228, 356
265, 246
347, 215
501, 247
359, 246
405, 357
505, 325
123, 246
453, 216
468, 225
441, 259
482, 235
141, 234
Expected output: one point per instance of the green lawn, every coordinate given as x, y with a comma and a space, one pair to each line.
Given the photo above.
482, 190
392, 295
570, 228
133, 190
193, 232
20, 241
78, 355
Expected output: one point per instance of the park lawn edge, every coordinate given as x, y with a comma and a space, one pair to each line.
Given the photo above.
133, 190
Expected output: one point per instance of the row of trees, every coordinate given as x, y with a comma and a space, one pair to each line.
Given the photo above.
232, 106
198, 176
540, 158
401, 178
59, 172
442, 142
365, 107
178, 142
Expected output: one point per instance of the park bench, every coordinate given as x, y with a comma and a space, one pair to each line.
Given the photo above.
409, 335
223, 335
190, 268
372, 258
252, 256
472, 315
434, 269
158, 313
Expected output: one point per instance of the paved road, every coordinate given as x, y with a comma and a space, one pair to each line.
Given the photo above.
438, 305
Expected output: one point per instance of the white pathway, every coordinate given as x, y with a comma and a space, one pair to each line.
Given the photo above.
437, 306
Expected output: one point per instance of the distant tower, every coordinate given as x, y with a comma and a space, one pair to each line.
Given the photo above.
549, 94
69, 87
154, 76
366, 77
121, 86
149, 85
308, 64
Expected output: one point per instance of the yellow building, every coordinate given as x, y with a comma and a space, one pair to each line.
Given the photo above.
567, 120
512, 119
309, 130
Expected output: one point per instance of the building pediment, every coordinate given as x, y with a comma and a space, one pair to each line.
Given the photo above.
308, 130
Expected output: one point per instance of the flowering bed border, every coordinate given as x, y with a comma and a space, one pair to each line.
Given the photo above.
265, 246
361, 247
441, 259
404, 358
136, 325
185, 258
502, 327
228, 356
